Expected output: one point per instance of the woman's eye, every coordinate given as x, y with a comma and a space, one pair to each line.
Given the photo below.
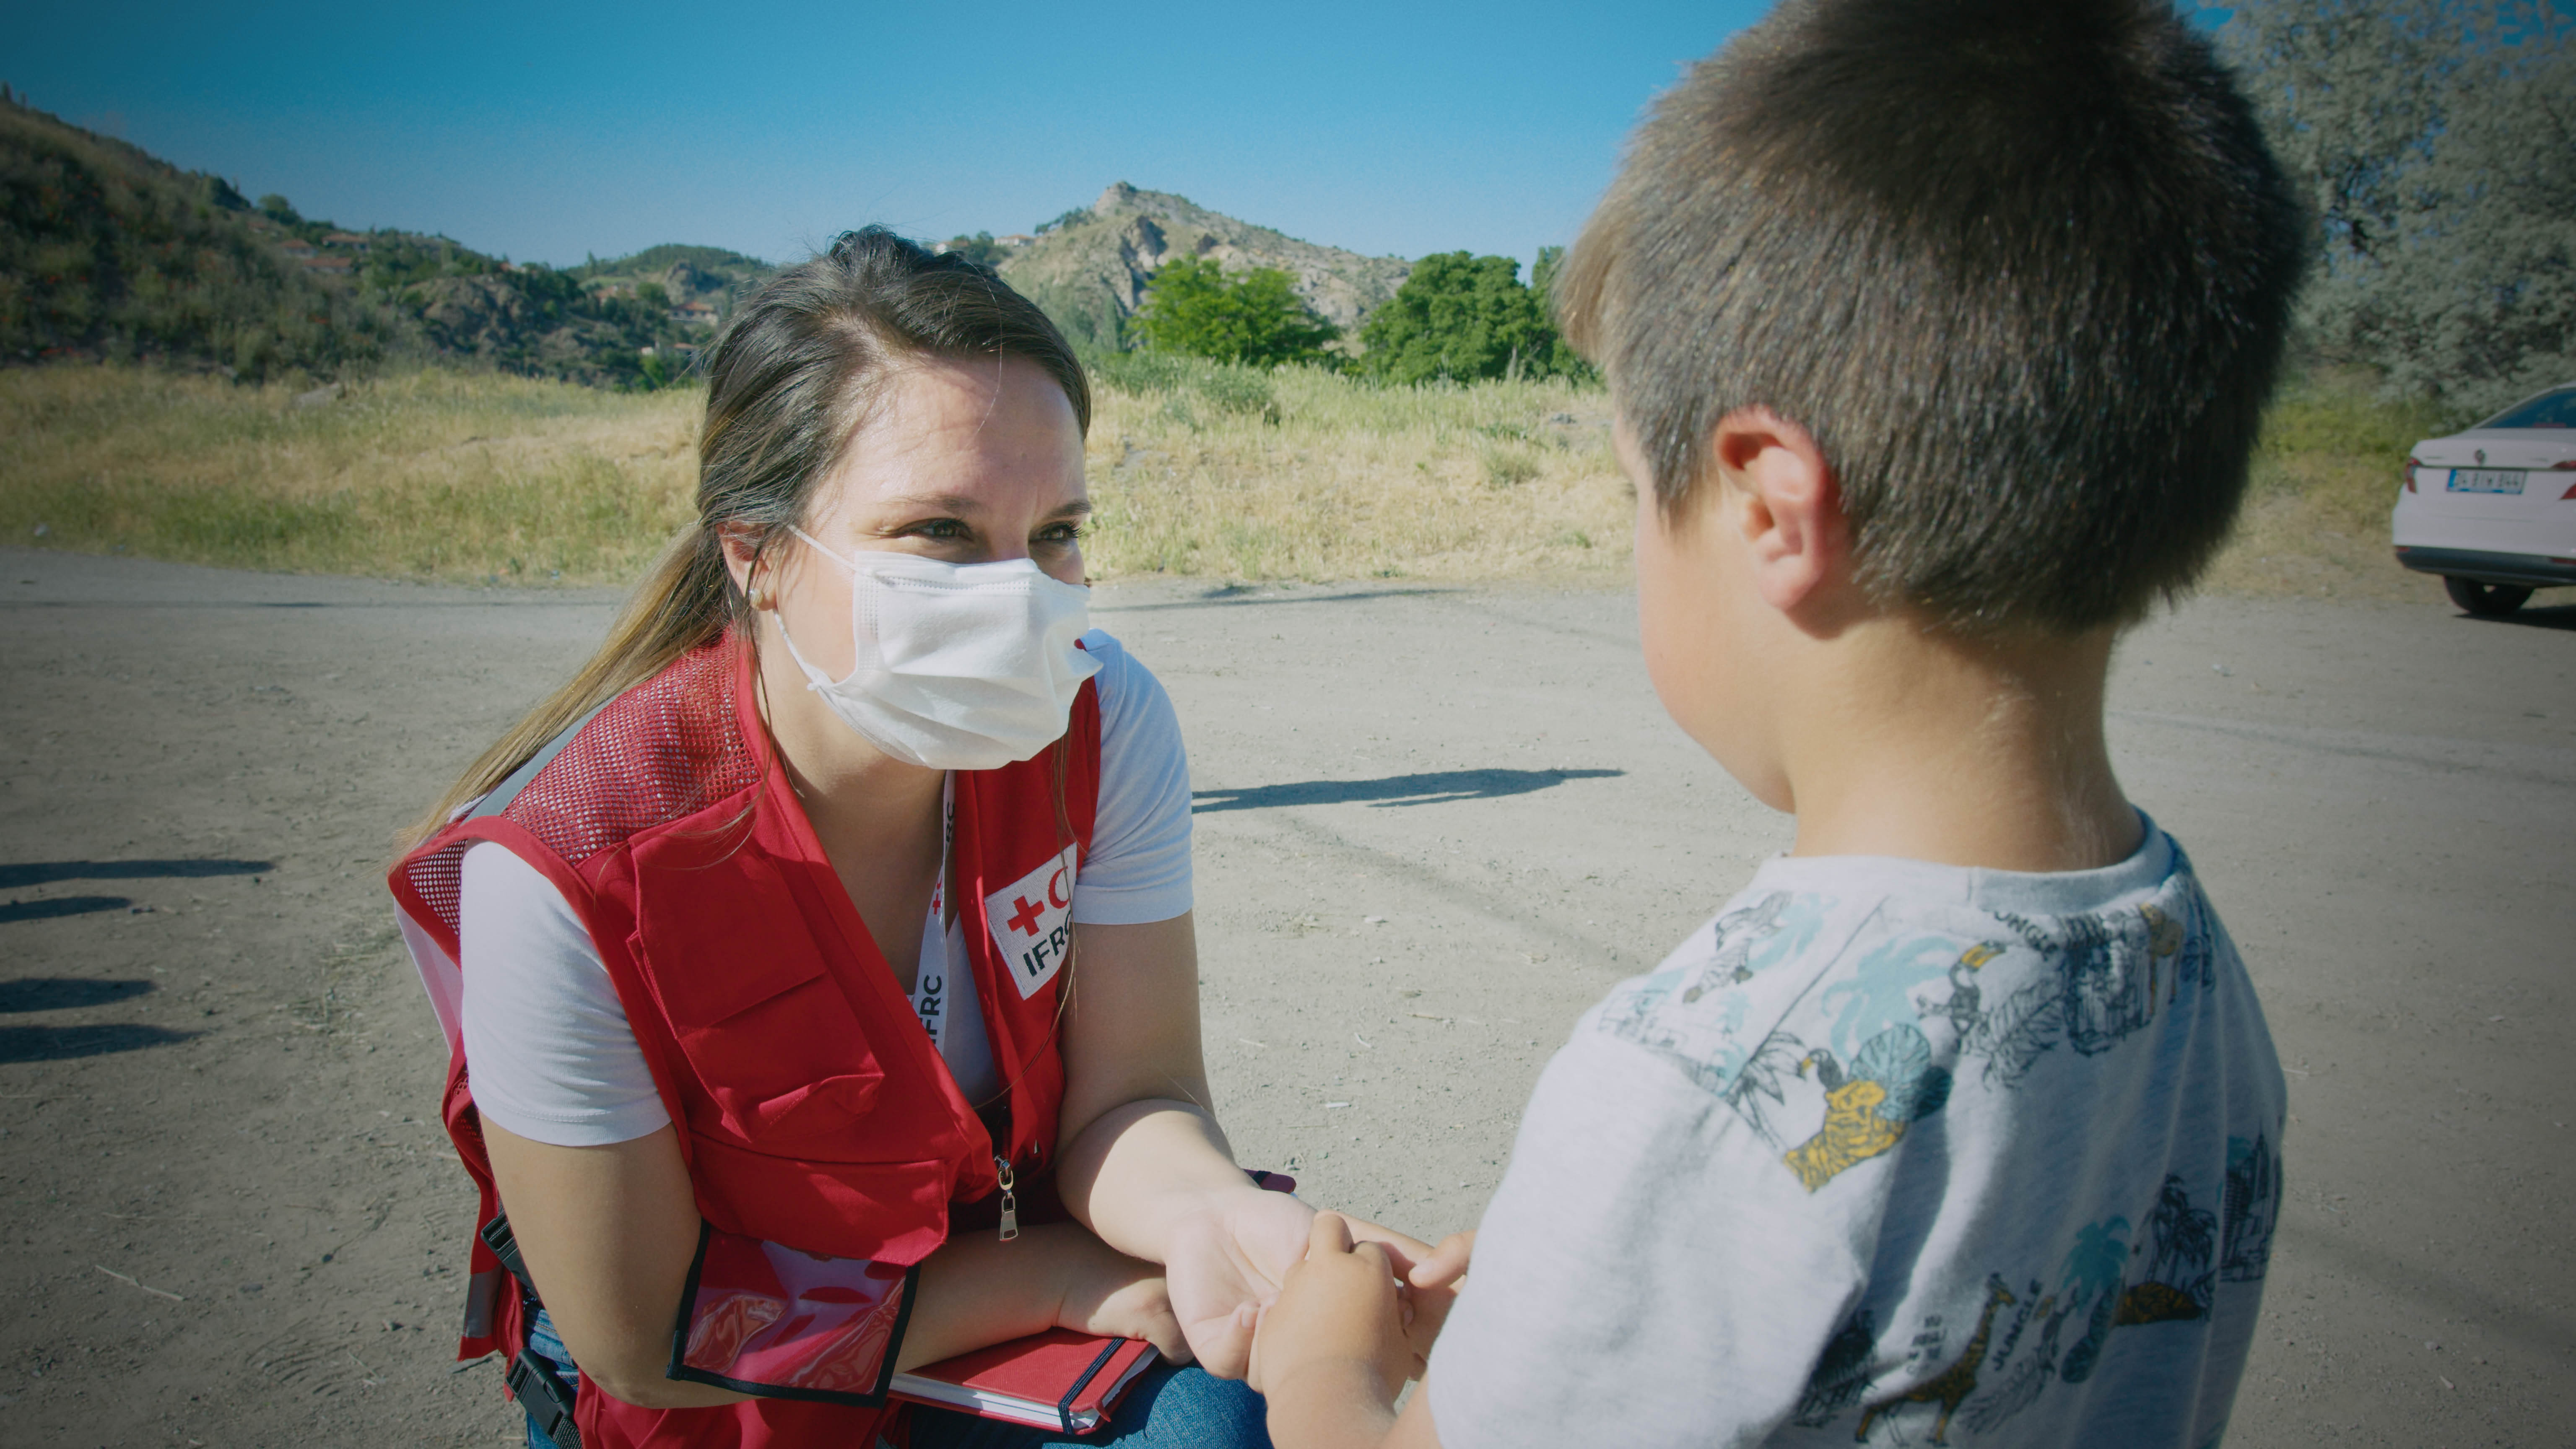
939, 528
1061, 534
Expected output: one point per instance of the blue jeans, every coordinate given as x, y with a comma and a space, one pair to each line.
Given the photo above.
1166, 1408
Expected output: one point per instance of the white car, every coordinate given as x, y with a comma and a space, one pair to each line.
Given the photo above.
2493, 509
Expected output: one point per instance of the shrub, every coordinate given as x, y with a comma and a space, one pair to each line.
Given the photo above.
1464, 318
1255, 317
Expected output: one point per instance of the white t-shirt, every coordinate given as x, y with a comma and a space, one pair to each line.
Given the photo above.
547, 1042
1890, 1149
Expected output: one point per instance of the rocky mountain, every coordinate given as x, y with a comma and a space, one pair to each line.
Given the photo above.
712, 276
107, 252
1089, 269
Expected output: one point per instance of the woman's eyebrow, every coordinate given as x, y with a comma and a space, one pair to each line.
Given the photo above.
942, 502
967, 503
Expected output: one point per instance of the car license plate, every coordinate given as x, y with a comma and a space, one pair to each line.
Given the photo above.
2485, 480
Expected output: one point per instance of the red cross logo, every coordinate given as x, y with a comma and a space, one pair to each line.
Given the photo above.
1024, 919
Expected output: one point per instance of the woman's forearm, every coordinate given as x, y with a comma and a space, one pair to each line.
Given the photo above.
608, 1234
977, 1290
1140, 1168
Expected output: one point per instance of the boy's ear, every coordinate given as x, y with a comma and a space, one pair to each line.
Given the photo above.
1778, 494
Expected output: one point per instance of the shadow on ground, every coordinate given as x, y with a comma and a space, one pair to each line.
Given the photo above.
63, 1043
2552, 616
1236, 598
62, 993
45, 872
1441, 788
60, 906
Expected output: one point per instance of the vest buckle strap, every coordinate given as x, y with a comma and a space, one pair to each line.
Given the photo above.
547, 1399
504, 1244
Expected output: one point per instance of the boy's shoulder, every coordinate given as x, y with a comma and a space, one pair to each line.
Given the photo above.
1886, 980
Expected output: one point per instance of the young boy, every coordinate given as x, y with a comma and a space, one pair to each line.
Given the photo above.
1937, 332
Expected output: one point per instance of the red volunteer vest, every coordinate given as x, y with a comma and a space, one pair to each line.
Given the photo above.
809, 1103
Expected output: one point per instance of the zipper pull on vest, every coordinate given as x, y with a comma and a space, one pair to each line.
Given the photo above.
1003, 1175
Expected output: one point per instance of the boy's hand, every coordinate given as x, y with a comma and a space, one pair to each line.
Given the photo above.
1443, 1266
1337, 1325
1108, 1293
1432, 1290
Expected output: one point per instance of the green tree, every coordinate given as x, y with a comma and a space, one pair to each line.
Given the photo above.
2436, 144
1255, 317
1543, 272
1463, 317
980, 248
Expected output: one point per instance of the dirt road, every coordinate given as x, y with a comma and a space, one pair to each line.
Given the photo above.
1433, 825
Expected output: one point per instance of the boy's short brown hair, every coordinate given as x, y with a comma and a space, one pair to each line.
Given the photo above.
2022, 267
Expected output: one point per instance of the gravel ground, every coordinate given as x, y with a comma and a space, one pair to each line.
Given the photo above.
1434, 824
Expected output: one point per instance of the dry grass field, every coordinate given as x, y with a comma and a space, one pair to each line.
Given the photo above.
1199, 470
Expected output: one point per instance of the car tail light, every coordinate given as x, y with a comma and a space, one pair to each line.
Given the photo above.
2408, 474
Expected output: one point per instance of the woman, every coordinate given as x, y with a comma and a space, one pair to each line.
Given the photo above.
832, 926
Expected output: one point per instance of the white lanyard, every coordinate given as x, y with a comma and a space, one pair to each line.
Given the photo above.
930, 993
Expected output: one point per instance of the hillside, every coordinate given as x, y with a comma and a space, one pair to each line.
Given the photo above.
109, 253
1090, 268
709, 276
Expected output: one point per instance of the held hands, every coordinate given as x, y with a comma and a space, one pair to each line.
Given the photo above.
1226, 1261
1338, 1325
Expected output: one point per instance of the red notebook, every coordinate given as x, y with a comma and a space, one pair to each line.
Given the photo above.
1058, 1379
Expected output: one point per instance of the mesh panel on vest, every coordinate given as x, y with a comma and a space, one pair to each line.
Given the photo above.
665, 749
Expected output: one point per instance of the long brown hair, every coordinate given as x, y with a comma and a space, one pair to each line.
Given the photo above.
788, 383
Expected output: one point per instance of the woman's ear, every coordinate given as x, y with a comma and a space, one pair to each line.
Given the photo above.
741, 545
1781, 497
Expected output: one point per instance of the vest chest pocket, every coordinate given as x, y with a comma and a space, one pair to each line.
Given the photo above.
782, 1064
791, 1073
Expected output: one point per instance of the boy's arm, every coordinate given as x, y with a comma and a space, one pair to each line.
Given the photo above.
1332, 1353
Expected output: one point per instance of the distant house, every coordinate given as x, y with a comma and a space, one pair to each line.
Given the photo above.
695, 313
612, 289
329, 266
349, 241
1016, 239
297, 248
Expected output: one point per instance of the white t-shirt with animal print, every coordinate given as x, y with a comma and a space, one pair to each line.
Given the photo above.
1892, 1153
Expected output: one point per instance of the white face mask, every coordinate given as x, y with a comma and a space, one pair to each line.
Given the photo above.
959, 666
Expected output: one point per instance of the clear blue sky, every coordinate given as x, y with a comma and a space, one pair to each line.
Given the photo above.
545, 132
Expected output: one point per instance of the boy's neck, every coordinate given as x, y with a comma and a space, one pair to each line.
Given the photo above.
1919, 745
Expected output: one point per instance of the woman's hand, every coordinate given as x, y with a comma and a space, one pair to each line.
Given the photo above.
1108, 1293
1225, 1259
